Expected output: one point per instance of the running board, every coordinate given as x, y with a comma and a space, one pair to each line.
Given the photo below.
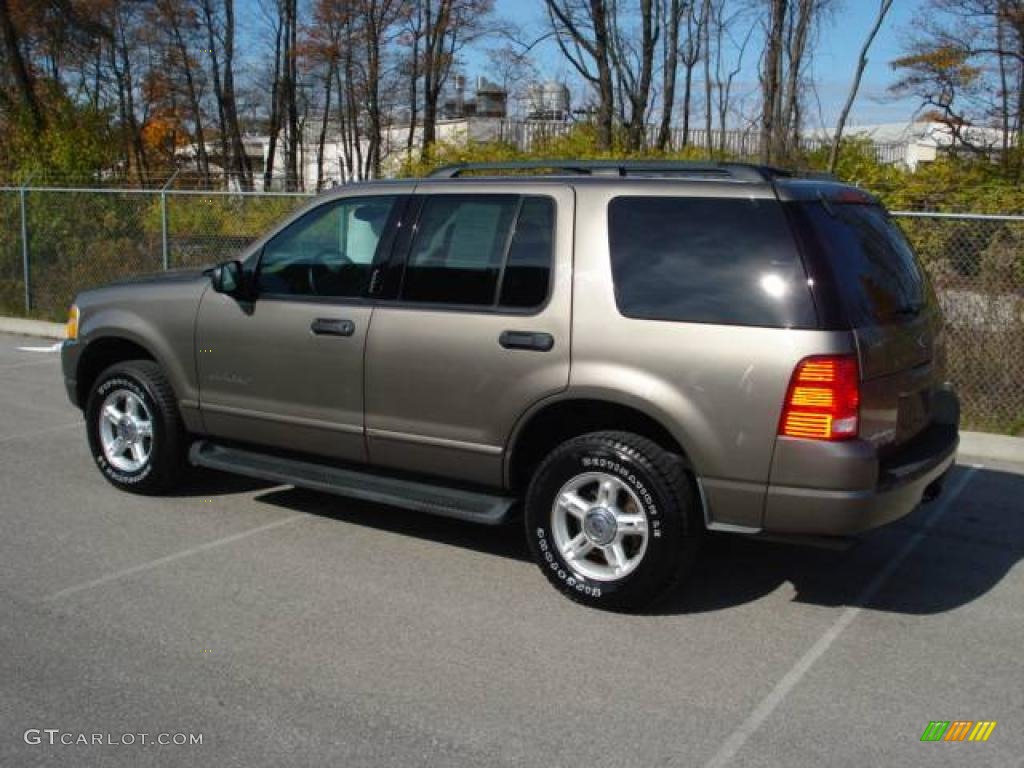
367, 486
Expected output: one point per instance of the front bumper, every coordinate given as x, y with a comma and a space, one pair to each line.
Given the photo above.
70, 351
898, 485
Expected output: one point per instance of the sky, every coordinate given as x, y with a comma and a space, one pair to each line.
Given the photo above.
837, 47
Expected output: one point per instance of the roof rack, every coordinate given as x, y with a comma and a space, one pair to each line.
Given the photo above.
718, 170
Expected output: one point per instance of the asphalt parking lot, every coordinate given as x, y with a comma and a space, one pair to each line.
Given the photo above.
290, 628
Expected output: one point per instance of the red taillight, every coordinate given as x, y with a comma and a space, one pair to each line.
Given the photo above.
823, 400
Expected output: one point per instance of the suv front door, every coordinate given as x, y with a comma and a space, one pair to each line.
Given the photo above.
286, 369
473, 327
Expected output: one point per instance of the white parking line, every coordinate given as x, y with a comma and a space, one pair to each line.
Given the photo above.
52, 348
169, 558
734, 743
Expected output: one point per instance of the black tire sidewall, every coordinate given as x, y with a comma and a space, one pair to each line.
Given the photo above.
666, 523
152, 474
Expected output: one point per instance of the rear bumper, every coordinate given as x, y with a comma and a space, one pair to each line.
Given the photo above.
898, 486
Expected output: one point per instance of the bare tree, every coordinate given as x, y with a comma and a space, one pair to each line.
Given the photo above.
123, 26
706, 45
771, 78
289, 91
789, 116
512, 69
724, 78
788, 48
413, 34
582, 29
690, 55
671, 12
322, 53
449, 25
377, 20
240, 160
18, 68
634, 68
862, 62
274, 87
181, 26
965, 62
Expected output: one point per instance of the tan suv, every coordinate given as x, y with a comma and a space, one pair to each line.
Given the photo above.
631, 353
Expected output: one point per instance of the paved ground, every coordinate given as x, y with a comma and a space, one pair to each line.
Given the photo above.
294, 629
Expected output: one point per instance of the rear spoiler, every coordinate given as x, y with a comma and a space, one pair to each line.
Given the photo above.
810, 189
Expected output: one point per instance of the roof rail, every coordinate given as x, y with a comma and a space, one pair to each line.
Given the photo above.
709, 169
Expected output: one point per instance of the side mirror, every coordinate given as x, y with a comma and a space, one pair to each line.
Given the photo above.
229, 278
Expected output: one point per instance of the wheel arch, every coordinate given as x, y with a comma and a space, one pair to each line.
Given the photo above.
99, 354
554, 421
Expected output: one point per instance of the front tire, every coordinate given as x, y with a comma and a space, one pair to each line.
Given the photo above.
135, 431
612, 520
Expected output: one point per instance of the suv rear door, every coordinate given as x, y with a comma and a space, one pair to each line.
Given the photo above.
887, 301
472, 327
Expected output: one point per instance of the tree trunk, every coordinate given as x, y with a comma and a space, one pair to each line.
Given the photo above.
121, 66
293, 180
642, 96
434, 46
771, 80
687, 99
240, 160
414, 76
670, 66
19, 69
694, 34
218, 91
322, 139
171, 15
708, 111
862, 62
606, 87
788, 127
274, 127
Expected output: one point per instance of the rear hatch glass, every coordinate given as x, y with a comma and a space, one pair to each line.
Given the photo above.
888, 303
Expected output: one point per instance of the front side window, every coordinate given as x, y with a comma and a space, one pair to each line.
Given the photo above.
328, 252
729, 261
481, 250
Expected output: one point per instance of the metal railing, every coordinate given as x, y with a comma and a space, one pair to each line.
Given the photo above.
56, 241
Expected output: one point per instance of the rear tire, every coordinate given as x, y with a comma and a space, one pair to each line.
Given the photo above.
612, 520
135, 431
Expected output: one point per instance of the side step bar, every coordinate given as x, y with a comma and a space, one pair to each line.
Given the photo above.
368, 486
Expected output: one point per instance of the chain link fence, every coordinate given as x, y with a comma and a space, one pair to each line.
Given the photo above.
79, 238
976, 264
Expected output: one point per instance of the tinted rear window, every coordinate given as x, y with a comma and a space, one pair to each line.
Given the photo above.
707, 260
874, 268
481, 250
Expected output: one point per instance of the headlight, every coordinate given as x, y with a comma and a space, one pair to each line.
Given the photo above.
71, 327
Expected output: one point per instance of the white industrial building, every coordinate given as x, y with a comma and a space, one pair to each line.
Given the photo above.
922, 141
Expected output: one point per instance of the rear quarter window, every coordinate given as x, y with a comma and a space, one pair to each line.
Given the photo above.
726, 261
874, 269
